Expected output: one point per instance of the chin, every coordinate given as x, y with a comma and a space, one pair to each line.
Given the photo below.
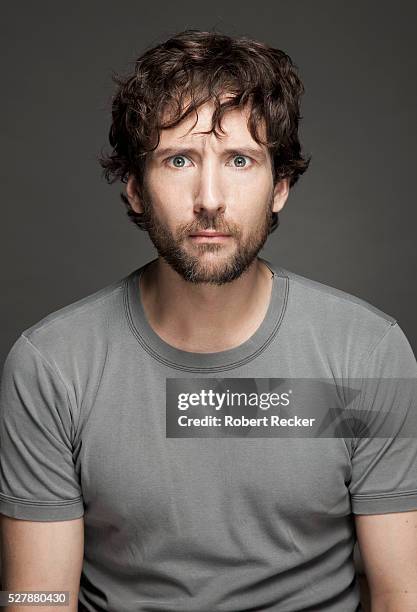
210, 268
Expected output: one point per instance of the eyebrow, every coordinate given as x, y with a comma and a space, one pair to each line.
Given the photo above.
236, 150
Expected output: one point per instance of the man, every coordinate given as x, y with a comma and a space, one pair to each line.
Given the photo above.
126, 466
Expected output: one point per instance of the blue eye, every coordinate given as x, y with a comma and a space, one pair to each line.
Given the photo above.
178, 161
240, 161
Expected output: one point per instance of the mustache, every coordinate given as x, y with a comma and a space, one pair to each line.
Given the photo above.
215, 224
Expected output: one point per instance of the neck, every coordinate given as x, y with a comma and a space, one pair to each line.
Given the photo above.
205, 318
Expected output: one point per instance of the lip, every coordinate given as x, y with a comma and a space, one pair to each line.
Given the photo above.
209, 235
214, 237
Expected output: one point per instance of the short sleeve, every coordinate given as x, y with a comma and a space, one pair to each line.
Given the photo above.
384, 464
38, 480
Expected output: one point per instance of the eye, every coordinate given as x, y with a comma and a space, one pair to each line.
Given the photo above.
241, 161
178, 161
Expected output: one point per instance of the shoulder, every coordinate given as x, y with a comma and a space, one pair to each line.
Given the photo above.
329, 299
333, 298
79, 330
81, 317
340, 323
68, 348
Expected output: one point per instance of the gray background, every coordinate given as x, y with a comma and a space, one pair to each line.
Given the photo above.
349, 222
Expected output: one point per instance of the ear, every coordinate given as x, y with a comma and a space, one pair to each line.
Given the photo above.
281, 191
132, 193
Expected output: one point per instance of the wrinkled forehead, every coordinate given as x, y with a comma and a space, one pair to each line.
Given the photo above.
199, 123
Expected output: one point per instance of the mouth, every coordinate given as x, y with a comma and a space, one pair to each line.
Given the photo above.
210, 236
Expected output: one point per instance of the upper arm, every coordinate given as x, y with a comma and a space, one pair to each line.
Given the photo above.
42, 556
388, 546
383, 485
41, 504
38, 476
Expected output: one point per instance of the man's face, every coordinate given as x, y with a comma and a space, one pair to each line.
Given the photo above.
208, 201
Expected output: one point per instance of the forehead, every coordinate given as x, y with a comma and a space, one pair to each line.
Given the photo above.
192, 129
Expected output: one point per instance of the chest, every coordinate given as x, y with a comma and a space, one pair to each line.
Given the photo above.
132, 474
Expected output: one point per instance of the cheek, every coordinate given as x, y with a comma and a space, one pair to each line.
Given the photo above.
251, 187
168, 202
250, 201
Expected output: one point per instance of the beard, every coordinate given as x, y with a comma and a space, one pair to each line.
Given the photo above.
194, 267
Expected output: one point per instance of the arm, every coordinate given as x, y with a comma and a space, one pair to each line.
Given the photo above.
363, 583
388, 545
41, 505
42, 556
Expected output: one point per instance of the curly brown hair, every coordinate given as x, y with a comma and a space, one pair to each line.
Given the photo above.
188, 70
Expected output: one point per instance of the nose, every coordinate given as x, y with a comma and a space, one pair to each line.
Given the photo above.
209, 197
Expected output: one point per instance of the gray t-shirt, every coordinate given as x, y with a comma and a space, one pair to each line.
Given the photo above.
209, 520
